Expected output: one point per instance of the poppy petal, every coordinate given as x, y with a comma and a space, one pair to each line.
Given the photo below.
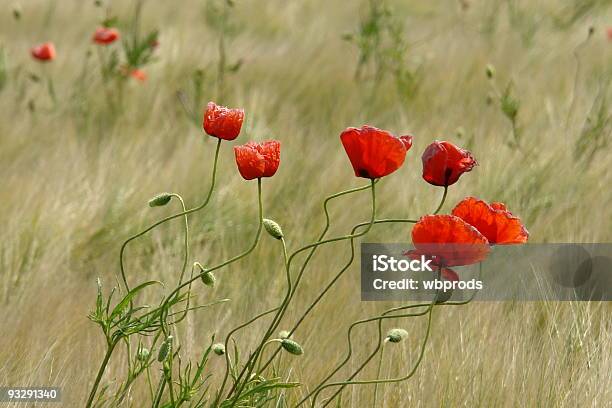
373, 152
450, 240
496, 223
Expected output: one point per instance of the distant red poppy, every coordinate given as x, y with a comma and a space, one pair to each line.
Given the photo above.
256, 160
105, 36
493, 221
373, 152
221, 122
449, 240
139, 74
44, 52
609, 33
443, 163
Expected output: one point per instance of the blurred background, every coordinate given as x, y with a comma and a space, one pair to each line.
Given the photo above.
84, 144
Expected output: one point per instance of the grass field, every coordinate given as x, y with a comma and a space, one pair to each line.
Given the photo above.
76, 176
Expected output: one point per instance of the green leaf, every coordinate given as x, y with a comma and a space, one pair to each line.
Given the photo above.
128, 298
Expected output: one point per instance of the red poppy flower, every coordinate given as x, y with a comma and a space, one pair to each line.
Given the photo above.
105, 36
443, 163
373, 152
256, 160
609, 33
44, 52
493, 221
449, 240
222, 122
139, 74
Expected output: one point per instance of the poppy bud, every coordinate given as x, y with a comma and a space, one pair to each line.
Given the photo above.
218, 349
490, 71
165, 349
160, 200
443, 296
283, 334
208, 278
396, 335
292, 347
273, 228
142, 354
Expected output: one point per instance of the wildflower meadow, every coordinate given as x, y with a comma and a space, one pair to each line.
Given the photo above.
186, 187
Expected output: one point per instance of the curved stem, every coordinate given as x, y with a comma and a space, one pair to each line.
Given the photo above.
351, 236
385, 315
227, 339
281, 312
171, 217
442, 201
377, 381
335, 279
176, 290
326, 228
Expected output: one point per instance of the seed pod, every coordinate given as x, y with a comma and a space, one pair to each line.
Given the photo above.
160, 200
273, 228
396, 335
142, 354
292, 347
165, 349
490, 70
209, 279
218, 349
283, 334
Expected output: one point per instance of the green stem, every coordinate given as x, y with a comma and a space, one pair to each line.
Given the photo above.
94, 389
171, 217
386, 315
378, 371
176, 290
442, 201
160, 391
281, 312
227, 361
334, 280
377, 381
253, 359
150, 383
